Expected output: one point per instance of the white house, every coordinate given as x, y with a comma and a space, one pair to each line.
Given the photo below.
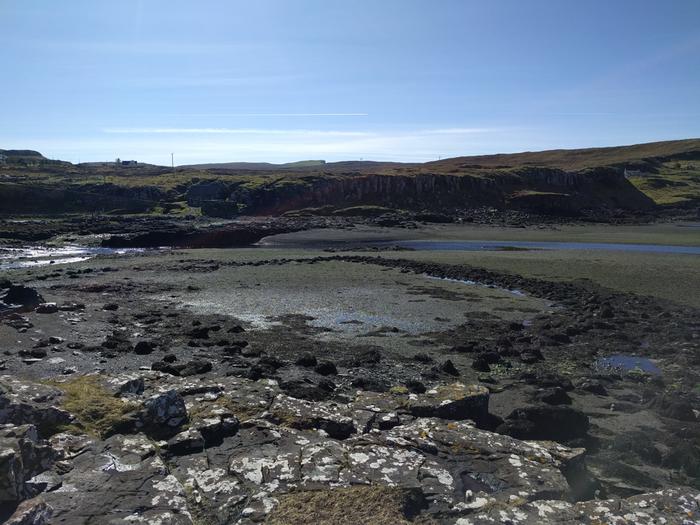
3, 158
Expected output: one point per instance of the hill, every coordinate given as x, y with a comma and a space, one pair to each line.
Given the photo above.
254, 166
559, 182
577, 159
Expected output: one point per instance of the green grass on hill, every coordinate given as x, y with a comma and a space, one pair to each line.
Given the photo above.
677, 182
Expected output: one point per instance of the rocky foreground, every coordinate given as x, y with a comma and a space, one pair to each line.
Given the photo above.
202, 420
241, 451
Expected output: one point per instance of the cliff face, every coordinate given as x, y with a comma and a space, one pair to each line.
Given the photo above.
25, 198
530, 188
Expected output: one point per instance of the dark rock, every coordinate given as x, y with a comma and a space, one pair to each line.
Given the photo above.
326, 368
118, 342
637, 443
164, 413
481, 364
367, 357
448, 367
553, 396
546, 380
307, 359
415, 386
110, 307
199, 333
422, 358
270, 362
593, 386
251, 352
33, 511
675, 407
47, 308
169, 358
22, 296
186, 442
194, 367
557, 423
371, 384
144, 347
305, 388
166, 368
467, 348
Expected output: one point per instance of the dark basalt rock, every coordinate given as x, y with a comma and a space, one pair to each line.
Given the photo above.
164, 413
305, 388
449, 368
557, 423
593, 386
144, 347
481, 364
553, 396
47, 308
23, 296
307, 359
326, 368
368, 357
194, 367
415, 386
675, 407
371, 384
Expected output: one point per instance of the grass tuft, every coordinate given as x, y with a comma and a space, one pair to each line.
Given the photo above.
98, 412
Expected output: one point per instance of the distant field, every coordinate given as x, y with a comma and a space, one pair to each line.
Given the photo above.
672, 277
677, 182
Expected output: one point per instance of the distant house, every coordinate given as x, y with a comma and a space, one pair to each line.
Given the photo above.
3, 158
129, 163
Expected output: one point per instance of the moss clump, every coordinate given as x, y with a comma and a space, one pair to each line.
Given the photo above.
378, 505
98, 412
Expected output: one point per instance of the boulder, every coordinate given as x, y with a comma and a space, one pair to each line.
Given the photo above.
24, 297
26, 402
47, 308
33, 511
557, 423
301, 414
164, 413
307, 388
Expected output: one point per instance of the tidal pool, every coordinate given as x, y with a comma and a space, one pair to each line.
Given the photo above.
626, 363
30, 256
348, 300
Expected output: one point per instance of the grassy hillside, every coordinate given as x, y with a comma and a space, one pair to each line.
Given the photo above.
577, 159
668, 172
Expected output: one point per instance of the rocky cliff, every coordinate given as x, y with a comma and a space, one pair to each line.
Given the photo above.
573, 192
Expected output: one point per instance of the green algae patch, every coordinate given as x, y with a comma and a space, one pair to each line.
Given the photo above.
97, 411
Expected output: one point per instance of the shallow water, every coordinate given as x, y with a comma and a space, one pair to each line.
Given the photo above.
346, 301
43, 255
625, 363
545, 245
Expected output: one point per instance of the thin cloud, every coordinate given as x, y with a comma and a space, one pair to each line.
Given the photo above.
270, 115
237, 131
459, 131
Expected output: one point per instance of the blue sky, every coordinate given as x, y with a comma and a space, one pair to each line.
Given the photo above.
281, 80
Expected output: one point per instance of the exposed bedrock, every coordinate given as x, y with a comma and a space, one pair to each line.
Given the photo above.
542, 190
242, 451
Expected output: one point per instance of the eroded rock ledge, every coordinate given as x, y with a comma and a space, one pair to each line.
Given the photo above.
180, 450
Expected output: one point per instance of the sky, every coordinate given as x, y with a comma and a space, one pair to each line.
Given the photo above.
399, 80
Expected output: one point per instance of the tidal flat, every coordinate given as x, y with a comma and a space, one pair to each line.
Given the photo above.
322, 359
